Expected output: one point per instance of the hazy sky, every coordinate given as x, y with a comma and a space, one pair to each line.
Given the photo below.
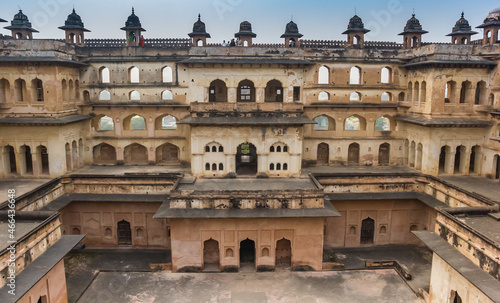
317, 19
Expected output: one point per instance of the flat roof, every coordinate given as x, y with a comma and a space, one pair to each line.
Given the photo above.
22, 229
424, 198
248, 61
486, 283
243, 121
36, 270
255, 213
44, 121
247, 184
486, 225
444, 122
39, 59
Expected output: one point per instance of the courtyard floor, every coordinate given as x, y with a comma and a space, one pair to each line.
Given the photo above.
124, 276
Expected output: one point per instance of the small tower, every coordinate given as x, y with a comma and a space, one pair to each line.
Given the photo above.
412, 35
356, 33
491, 26
74, 29
245, 34
133, 29
21, 27
461, 32
292, 35
199, 34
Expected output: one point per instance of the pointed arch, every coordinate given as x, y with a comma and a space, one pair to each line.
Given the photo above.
134, 96
324, 123
355, 75
246, 91
355, 122
324, 75
167, 75
134, 122
386, 75
217, 91
274, 91
104, 96
104, 75
166, 122
133, 74
167, 95
167, 153
324, 96
135, 154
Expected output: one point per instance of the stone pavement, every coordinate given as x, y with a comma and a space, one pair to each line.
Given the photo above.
124, 276
21, 186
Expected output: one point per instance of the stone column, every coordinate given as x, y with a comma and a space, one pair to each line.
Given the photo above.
231, 163
260, 94
120, 157
232, 94
449, 163
118, 127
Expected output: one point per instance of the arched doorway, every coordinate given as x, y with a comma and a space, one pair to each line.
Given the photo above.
217, 92
247, 252
323, 154
136, 154
383, 154
211, 254
284, 253
167, 153
124, 233
353, 154
367, 231
246, 159
246, 91
274, 91
442, 160
28, 159
10, 160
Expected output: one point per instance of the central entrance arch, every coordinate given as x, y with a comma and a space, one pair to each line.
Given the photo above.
247, 252
210, 254
246, 159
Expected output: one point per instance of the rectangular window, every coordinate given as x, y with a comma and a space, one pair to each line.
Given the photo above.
296, 93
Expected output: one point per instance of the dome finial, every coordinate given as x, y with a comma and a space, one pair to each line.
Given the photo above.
463, 14
199, 17
133, 11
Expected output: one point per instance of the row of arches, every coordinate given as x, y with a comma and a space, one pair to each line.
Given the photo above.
74, 154
26, 161
277, 166
20, 91
135, 153
134, 122
460, 160
247, 253
353, 154
355, 75
324, 96
133, 73
214, 167
135, 95
246, 92
467, 93
417, 92
70, 90
353, 123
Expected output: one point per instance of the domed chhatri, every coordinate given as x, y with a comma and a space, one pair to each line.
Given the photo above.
292, 34
74, 29
21, 27
245, 34
199, 34
461, 32
133, 29
356, 32
412, 34
491, 26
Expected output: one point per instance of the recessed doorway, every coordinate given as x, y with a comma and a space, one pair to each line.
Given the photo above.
246, 159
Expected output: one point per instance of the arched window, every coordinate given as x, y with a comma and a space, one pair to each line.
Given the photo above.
274, 91
214, 167
133, 74
355, 75
285, 166
214, 149
401, 97
271, 166
246, 91
491, 99
410, 92
106, 123
352, 123
137, 123
64, 86
285, 149
480, 97
104, 76
386, 97
271, 149
322, 123
166, 75
4, 91
207, 166
104, 96
278, 166
324, 75
385, 75
221, 166
37, 90
416, 99
355, 96
382, 124
71, 86
207, 149
167, 95
135, 96
465, 92
423, 92
221, 149
323, 96
217, 91
449, 93
169, 122
278, 149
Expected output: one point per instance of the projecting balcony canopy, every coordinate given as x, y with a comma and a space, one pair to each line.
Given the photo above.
246, 121
248, 61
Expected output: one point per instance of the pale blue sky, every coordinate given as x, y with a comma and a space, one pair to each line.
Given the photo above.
317, 19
